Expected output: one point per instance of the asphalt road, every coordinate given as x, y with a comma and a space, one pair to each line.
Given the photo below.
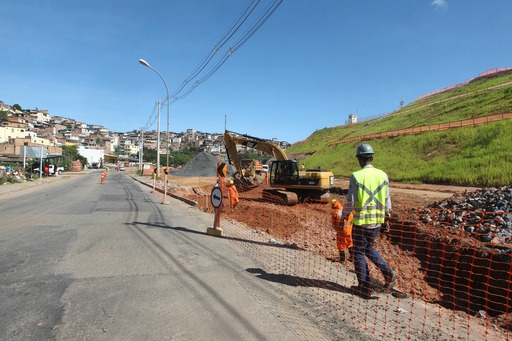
82, 260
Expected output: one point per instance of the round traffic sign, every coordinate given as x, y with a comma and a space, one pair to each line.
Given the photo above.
216, 197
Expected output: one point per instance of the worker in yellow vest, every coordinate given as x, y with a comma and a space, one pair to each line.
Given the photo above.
368, 197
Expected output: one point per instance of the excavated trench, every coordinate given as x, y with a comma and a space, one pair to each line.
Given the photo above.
464, 247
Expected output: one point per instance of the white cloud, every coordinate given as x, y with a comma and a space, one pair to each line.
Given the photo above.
440, 4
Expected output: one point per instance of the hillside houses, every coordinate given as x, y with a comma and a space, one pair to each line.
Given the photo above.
37, 128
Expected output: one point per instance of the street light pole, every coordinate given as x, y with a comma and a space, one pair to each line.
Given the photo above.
141, 147
142, 151
158, 143
143, 62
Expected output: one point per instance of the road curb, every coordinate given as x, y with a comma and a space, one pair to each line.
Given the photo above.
185, 200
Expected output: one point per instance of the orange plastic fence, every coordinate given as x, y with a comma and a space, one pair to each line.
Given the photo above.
455, 281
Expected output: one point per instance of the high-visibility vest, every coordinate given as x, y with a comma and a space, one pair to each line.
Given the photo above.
370, 206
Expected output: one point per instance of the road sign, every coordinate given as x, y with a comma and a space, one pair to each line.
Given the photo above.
221, 170
216, 197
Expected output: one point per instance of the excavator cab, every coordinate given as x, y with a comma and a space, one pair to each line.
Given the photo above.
284, 172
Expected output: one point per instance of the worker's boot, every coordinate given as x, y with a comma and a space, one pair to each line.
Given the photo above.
350, 254
342, 256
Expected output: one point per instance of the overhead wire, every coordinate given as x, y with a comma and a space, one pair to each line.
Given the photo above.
152, 119
182, 91
254, 28
217, 46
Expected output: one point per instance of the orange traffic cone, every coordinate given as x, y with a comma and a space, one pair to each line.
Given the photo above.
103, 176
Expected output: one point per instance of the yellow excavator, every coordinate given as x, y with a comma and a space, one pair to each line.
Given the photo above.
287, 183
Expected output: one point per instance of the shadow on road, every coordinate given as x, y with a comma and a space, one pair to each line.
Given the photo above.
184, 229
296, 281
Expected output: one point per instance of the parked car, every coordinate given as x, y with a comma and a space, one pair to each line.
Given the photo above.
51, 170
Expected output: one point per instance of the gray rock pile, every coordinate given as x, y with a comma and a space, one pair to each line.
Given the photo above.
485, 213
203, 164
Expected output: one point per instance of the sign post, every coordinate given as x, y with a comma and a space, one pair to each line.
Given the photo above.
165, 201
154, 180
216, 200
221, 175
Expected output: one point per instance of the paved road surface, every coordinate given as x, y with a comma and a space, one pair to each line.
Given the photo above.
85, 261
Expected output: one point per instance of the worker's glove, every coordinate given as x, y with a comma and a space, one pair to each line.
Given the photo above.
384, 228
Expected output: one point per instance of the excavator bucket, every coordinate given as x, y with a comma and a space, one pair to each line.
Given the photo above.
244, 185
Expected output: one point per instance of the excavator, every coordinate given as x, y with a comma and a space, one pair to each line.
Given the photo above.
287, 183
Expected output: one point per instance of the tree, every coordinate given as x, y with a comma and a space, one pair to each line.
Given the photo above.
70, 154
17, 107
149, 155
175, 159
99, 141
3, 116
183, 156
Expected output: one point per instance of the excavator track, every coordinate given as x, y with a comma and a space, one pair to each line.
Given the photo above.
280, 196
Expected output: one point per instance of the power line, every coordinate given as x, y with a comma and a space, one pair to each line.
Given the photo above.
225, 38
201, 74
241, 41
151, 120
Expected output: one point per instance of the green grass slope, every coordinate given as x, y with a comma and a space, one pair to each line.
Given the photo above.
468, 156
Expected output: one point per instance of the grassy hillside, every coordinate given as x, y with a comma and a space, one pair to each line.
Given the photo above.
473, 156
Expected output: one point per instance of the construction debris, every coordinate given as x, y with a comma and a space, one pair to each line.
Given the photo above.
485, 213
203, 164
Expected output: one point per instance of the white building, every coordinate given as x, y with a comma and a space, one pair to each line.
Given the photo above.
92, 155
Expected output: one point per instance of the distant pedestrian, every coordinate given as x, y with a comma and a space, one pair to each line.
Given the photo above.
232, 195
368, 195
343, 231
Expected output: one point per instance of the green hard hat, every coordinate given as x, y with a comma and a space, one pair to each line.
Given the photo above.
364, 150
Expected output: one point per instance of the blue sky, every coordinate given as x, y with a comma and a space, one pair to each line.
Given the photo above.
309, 66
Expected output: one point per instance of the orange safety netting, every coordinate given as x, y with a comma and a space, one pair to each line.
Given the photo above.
454, 267
453, 284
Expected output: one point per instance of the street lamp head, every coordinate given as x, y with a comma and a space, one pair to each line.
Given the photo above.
143, 62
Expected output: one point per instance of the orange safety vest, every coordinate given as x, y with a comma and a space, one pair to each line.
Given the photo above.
233, 195
344, 232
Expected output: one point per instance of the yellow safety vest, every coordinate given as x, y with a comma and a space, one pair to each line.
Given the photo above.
370, 206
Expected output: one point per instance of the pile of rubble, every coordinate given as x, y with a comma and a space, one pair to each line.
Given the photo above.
203, 164
485, 213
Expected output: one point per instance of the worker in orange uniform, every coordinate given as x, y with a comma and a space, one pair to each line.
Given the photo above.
232, 194
266, 177
343, 230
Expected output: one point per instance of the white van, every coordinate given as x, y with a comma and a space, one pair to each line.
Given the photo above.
264, 168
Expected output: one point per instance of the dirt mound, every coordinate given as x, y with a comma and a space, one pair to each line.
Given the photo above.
203, 164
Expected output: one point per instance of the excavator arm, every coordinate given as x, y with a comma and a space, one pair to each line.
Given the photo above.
265, 146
